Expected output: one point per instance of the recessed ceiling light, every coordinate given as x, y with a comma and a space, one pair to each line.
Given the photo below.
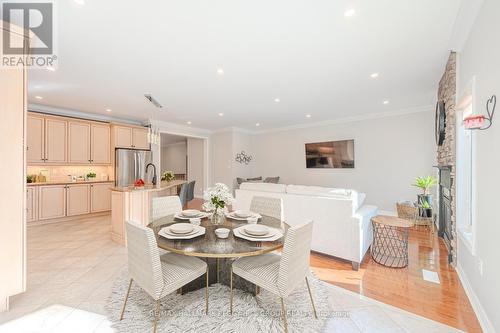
277, 100
374, 75
80, 2
50, 68
220, 71
108, 110
221, 114
38, 97
386, 102
258, 124
308, 116
350, 12
189, 123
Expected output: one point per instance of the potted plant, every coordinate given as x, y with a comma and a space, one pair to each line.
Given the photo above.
29, 179
425, 209
167, 176
91, 176
425, 183
216, 200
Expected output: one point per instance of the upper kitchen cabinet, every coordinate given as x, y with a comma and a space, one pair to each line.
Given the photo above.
79, 142
133, 137
56, 131
35, 146
100, 144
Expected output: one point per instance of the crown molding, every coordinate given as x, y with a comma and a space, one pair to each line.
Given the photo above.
79, 114
183, 130
368, 116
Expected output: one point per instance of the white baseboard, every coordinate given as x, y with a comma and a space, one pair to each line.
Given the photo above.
482, 317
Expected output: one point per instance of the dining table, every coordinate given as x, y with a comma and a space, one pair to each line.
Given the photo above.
219, 253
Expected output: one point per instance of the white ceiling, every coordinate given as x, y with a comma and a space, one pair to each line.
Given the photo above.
306, 53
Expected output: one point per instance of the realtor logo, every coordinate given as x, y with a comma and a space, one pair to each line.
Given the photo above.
38, 19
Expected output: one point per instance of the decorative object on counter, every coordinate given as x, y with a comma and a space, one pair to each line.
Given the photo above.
91, 176
243, 158
41, 178
167, 175
139, 183
481, 122
29, 179
425, 183
216, 200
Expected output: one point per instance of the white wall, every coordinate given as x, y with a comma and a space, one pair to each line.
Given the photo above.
241, 142
481, 57
173, 157
389, 153
222, 151
196, 164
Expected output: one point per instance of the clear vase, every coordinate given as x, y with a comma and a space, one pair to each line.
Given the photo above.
218, 216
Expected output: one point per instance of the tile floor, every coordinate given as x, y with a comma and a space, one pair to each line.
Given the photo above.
72, 265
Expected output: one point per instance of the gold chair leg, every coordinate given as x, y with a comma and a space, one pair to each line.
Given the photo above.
126, 298
311, 296
283, 311
157, 314
206, 295
231, 288
257, 290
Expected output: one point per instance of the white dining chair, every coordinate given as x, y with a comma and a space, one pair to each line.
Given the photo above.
267, 206
155, 274
279, 274
164, 206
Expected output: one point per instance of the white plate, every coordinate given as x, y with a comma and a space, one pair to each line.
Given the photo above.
191, 213
270, 233
181, 228
168, 231
234, 217
256, 230
181, 217
201, 232
240, 234
243, 213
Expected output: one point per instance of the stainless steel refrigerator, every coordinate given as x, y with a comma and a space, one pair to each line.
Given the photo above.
130, 165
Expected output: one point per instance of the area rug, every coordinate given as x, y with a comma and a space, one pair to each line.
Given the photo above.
186, 313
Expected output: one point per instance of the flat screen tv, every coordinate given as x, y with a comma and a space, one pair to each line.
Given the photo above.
331, 154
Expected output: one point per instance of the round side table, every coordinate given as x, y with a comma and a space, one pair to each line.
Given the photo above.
390, 241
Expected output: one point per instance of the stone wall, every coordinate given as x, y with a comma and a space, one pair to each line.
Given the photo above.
446, 153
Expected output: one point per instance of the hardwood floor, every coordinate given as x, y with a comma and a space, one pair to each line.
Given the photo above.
405, 288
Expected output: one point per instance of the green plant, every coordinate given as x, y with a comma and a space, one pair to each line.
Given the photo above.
167, 175
29, 179
425, 183
91, 175
425, 204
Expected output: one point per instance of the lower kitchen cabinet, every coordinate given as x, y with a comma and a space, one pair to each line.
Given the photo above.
100, 195
78, 199
31, 204
51, 202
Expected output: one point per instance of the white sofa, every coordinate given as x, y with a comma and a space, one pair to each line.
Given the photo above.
342, 225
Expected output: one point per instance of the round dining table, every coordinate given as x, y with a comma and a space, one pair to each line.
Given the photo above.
218, 252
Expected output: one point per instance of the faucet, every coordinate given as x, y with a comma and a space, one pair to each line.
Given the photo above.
154, 172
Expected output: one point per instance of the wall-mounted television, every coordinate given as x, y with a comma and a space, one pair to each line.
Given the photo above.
330, 155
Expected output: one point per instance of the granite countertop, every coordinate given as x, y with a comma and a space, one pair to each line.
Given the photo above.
70, 182
150, 187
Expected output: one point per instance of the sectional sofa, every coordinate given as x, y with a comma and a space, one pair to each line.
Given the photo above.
341, 219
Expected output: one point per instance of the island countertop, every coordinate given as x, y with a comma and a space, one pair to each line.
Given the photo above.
150, 187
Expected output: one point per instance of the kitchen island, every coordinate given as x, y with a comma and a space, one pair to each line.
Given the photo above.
134, 203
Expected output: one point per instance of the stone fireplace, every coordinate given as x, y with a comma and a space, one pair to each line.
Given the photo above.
446, 162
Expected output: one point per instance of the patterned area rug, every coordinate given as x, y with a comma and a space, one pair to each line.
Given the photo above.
186, 313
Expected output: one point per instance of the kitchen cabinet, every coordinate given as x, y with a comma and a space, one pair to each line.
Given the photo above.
51, 201
31, 204
130, 137
55, 140
79, 142
100, 144
35, 139
77, 199
100, 195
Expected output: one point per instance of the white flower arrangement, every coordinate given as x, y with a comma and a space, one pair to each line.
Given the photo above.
217, 197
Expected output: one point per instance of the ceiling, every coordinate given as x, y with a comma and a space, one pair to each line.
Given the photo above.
307, 54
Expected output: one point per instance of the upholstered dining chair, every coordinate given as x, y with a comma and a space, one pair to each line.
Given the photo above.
164, 206
158, 275
279, 274
183, 194
190, 191
267, 206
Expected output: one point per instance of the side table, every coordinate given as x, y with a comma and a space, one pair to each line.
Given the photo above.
390, 241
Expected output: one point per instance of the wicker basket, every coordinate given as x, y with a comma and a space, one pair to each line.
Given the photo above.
406, 211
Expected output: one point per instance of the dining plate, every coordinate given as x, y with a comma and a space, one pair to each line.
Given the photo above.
256, 230
270, 233
200, 232
169, 232
182, 217
181, 228
191, 213
235, 217
243, 213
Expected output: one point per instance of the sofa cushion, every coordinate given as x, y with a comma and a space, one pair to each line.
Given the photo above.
319, 191
264, 187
